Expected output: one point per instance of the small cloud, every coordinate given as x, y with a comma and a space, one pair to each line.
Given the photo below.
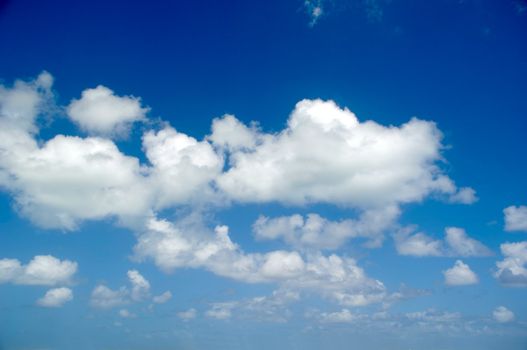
124, 313
515, 218
163, 298
56, 297
460, 275
189, 314
503, 315
314, 10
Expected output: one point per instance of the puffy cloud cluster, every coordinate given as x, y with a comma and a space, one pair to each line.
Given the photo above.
56, 297
319, 233
326, 155
99, 111
42, 270
460, 275
103, 297
515, 218
512, 271
191, 245
456, 243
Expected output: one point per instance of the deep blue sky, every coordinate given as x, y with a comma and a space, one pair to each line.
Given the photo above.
461, 64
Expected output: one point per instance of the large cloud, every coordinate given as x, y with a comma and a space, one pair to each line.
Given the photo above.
326, 155
43, 270
99, 111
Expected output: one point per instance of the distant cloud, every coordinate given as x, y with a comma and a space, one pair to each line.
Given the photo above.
515, 218
187, 315
56, 297
42, 270
104, 298
512, 270
162, 298
314, 9
456, 243
99, 111
503, 315
460, 275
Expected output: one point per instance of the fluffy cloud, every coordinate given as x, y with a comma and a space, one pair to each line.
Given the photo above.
42, 270
343, 316
56, 297
460, 275
187, 244
104, 298
326, 155
140, 286
187, 315
456, 243
503, 315
511, 270
515, 218
162, 298
99, 111
183, 167
317, 232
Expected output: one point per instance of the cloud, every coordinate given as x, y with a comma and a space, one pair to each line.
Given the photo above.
317, 232
56, 297
314, 10
99, 111
162, 298
187, 315
140, 286
343, 316
42, 270
515, 218
104, 298
511, 270
460, 275
273, 308
124, 313
189, 244
464, 195
503, 315
326, 155
456, 243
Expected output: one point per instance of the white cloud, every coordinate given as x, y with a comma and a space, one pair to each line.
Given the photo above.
317, 232
43, 270
460, 275
220, 311
515, 218
188, 315
512, 270
162, 298
124, 313
464, 195
326, 155
343, 316
456, 243
183, 168
140, 286
314, 10
99, 111
104, 298
503, 315
189, 244
56, 297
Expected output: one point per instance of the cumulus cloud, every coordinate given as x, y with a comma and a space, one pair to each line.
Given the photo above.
511, 270
187, 315
503, 315
140, 286
460, 275
343, 316
99, 111
326, 155
56, 297
162, 298
317, 232
104, 298
456, 243
188, 244
42, 270
515, 218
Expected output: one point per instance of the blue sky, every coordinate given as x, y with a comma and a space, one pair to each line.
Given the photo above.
254, 175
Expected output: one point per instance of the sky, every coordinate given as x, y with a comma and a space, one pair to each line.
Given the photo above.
318, 174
